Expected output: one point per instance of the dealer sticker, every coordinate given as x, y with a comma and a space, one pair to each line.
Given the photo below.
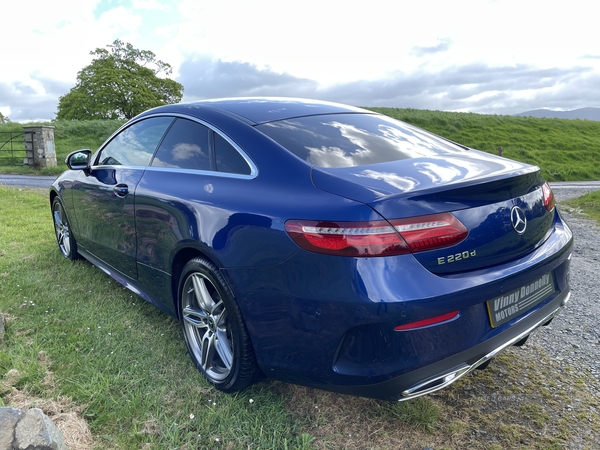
510, 305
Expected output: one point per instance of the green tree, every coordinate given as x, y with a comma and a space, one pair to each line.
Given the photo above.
4, 119
120, 83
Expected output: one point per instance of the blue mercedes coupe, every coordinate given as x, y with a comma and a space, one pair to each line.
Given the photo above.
317, 243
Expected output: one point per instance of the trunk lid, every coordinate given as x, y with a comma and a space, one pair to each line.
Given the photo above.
499, 201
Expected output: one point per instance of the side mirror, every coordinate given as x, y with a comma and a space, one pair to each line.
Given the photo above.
79, 159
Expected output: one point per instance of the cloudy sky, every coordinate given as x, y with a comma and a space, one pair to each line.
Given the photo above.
485, 56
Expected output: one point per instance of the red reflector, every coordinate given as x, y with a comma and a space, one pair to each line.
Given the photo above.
426, 322
549, 200
378, 237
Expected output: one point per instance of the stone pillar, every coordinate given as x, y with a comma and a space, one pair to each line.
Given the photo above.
40, 152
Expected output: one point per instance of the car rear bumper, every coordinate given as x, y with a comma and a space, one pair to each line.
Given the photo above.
441, 374
331, 322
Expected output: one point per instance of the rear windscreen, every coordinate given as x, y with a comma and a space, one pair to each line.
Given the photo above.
346, 140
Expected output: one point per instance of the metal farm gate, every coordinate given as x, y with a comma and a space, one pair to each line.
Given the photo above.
14, 146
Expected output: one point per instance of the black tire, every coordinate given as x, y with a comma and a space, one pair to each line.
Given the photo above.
64, 235
213, 327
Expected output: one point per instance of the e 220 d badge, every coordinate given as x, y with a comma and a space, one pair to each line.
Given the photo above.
456, 257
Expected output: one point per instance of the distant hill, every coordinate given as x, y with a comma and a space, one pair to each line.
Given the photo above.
581, 113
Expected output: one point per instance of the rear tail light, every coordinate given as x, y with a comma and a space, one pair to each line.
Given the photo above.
430, 232
549, 200
377, 238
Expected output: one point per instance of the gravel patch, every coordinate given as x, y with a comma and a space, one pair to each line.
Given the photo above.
573, 337
568, 190
572, 340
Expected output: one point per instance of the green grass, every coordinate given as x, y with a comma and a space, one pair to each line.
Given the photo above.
587, 205
566, 150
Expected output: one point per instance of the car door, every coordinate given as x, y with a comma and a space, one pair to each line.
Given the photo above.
189, 192
104, 196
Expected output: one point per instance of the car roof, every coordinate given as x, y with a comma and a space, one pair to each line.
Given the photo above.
268, 109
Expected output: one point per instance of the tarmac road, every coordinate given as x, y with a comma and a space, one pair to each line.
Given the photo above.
26, 181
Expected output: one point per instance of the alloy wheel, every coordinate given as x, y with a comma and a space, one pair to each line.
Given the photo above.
61, 227
207, 328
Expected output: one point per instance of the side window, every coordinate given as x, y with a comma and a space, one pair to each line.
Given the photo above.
228, 158
185, 147
135, 145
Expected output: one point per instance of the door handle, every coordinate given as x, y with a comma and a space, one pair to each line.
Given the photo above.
121, 190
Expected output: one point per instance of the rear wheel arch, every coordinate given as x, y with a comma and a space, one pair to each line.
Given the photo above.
65, 238
53, 195
181, 258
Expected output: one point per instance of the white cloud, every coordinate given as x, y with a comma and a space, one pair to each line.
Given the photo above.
336, 41
149, 4
381, 49
56, 41
120, 22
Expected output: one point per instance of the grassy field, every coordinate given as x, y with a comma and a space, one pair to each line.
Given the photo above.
113, 372
566, 150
